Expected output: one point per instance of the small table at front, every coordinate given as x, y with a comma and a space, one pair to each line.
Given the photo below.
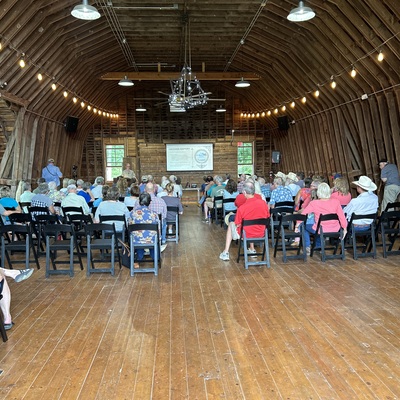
190, 190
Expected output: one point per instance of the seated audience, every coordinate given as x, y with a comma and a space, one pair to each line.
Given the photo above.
291, 180
341, 191
85, 192
265, 188
104, 191
42, 199
323, 205
54, 194
96, 189
241, 197
73, 200
134, 192
143, 184
303, 196
142, 214
5, 213
300, 179
171, 201
111, 206
253, 208
218, 190
365, 203
280, 193
65, 184
230, 192
6, 200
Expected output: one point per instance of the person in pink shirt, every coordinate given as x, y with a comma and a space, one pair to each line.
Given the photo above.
341, 191
323, 205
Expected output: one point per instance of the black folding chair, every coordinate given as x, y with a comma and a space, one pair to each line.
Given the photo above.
367, 235
286, 234
281, 208
61, 237
155, 245
336, 238
224, 211
103, 237
174, 236
20, 241
390, 231
244, 241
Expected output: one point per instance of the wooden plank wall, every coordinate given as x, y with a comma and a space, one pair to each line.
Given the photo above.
348, 139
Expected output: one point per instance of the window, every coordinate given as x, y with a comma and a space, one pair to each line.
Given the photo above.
114, 159
245, 158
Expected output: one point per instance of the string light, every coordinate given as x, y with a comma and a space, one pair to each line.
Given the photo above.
74, 99
263, 114
89, 107
304, 99
22, 61
82, 104
269, 113
316, 93
380, 56
292, 104
353, 72
40, 76
53, 86
283, 108
65, 94
333, 83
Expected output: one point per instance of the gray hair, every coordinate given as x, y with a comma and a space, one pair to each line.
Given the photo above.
278, 181
218, 179
52, 185
248, 187
99, 180
71, 187
27, 186
43, 188
80, 182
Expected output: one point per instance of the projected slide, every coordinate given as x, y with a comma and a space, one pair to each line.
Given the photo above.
189, 157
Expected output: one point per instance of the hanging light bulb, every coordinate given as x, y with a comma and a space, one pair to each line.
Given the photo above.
74, 99
65, 94
263, 114
22, 61
53, 86
40, 76
316, 93
245, 115
95, 110
82, 104
89, 107
258, 115
304, 99
380, 56
292, 104
276, 111
353, 72
269, 113
333, 83
241, 114
283, 108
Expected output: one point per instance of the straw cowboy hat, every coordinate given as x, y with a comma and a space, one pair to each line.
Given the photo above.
280, 174
365, 183
292, 176
227, 216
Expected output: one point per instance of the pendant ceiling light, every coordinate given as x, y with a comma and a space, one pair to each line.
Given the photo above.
141, 109
301, 13
221, 109
85, 11
242, 83
125, 82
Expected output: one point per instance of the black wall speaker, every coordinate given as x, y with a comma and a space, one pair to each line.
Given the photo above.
283, 123
276, 157
71, 124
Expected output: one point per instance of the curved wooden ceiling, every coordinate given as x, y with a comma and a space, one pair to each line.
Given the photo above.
291, 59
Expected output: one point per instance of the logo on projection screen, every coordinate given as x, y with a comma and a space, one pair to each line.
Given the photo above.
201, 156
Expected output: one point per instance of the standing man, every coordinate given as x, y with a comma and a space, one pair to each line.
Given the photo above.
390, 177
127, 172
52, 173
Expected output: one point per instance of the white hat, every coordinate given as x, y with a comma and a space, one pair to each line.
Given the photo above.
227, 216
292, 176
365, 183
280, 174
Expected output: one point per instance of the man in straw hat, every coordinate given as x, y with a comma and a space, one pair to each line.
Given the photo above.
52, 173
390, 177
365, 203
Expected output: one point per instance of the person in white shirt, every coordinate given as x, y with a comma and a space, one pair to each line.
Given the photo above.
74, 200
365, 203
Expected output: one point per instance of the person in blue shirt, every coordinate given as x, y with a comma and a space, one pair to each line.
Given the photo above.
52, 173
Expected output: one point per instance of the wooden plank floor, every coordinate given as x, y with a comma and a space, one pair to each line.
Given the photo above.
208, 329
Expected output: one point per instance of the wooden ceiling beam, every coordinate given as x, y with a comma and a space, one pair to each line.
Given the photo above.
166, 76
